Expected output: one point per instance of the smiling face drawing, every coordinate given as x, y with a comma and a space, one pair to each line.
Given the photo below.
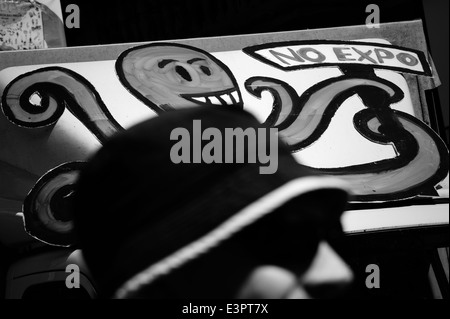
173, 76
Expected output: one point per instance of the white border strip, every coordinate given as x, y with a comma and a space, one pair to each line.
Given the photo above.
361, 221
245, 217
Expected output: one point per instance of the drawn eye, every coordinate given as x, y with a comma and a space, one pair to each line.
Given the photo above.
205, 70
183, 73
163, 63
202, 64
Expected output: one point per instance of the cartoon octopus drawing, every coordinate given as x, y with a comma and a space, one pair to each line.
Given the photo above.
172, 76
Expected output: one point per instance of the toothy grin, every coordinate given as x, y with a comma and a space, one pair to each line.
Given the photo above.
215, 98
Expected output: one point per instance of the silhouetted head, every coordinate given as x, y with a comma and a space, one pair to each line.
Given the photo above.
153, 228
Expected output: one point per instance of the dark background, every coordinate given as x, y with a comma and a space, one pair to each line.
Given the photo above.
118, 21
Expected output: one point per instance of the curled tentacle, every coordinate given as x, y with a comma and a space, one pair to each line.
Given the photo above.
422, 157
46, 209
39, 98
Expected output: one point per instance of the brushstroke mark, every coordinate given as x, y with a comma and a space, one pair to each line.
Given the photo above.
46, 209
39, 98
167, 76
422, 157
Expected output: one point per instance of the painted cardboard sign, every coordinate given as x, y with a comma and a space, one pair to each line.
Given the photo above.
343, 108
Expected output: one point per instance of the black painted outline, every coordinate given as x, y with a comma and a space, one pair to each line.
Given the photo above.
277, 103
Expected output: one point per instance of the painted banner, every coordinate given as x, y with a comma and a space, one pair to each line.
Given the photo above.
304, 54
